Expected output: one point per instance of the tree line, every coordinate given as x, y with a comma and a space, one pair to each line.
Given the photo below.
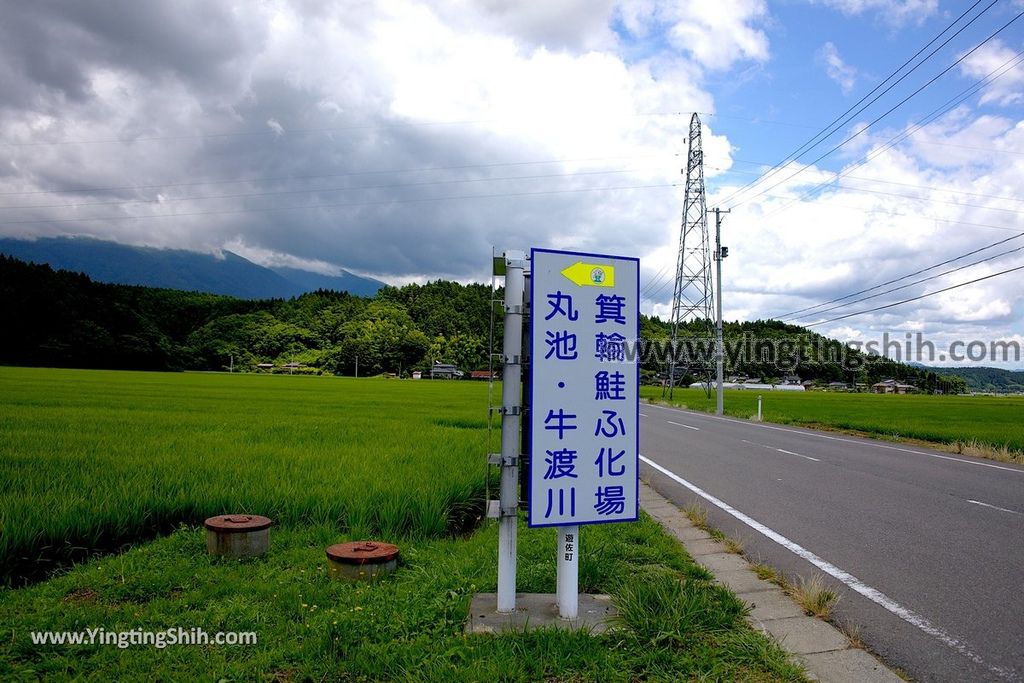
64, 319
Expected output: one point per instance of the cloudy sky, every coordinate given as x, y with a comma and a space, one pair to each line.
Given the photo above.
404, 139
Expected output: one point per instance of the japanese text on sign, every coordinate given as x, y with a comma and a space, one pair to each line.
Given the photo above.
584, 388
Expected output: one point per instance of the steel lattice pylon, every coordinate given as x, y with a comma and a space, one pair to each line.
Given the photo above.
693, 298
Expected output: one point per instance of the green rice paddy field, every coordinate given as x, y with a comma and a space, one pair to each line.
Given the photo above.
115, 471
966, 421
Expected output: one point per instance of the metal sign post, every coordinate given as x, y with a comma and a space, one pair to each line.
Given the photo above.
584, 372
511, 396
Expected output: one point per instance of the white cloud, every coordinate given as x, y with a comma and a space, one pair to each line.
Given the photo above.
352, 91
996, 61
357, 135
275, 125
893, 12
716, 34
915, 214
836, 69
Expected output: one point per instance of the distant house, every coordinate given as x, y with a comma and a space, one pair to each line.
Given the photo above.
838, 386
891, 386
791, 380
265, 366
445, 371
481, 375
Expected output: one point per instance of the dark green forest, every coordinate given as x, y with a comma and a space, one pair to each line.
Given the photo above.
64, 319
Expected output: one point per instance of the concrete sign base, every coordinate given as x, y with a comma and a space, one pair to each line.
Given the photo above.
539, 610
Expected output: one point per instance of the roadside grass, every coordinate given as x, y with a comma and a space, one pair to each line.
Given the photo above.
767, 573
853, 632
984, 426
814, 596
96, 459
675, 623
698, 515
733, 544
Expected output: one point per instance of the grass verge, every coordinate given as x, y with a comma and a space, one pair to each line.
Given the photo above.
675, 624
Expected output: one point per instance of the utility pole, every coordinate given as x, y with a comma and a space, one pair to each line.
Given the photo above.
720, 253
357, 367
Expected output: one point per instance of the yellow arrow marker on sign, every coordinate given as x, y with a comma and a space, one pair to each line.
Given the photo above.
590, 274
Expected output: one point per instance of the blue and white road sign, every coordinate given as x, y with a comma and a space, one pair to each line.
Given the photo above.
584, 382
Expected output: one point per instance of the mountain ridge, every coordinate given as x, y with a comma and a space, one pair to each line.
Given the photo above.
228, 274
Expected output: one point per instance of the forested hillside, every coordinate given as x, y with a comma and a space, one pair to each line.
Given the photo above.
64, 319
995, 380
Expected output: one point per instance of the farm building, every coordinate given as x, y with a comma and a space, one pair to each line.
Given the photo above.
891, 386
445, 371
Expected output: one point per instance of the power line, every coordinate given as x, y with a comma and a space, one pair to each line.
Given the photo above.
903, 277
891, 110
337, 206
655, 293
930, 200
911, 284
428, 169
916, 298
271, 132
840, 120
654, 280
893, 182
269, 193
892, 142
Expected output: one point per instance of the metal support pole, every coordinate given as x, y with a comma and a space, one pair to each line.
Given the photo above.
719, 351
511, 396
759, 408
567, 579
527, 439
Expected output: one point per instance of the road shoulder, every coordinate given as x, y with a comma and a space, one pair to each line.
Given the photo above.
825, 651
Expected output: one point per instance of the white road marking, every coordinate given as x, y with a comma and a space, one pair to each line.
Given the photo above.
780, 450
850, 580
643, 414
678, 424
994, 507
865, 442
783, 450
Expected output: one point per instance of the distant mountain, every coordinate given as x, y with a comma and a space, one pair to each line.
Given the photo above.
346, 282
230, 274
995, 380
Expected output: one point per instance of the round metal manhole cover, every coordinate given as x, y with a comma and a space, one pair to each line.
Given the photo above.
237, 523
362, 552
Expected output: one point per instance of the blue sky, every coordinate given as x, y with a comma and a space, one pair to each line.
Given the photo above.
404, 139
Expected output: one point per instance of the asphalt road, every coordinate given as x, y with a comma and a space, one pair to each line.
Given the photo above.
926, 548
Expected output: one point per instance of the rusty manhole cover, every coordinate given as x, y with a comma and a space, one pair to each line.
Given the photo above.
362, 552
237, 523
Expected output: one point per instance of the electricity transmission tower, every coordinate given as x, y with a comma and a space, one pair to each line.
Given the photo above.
693, 299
